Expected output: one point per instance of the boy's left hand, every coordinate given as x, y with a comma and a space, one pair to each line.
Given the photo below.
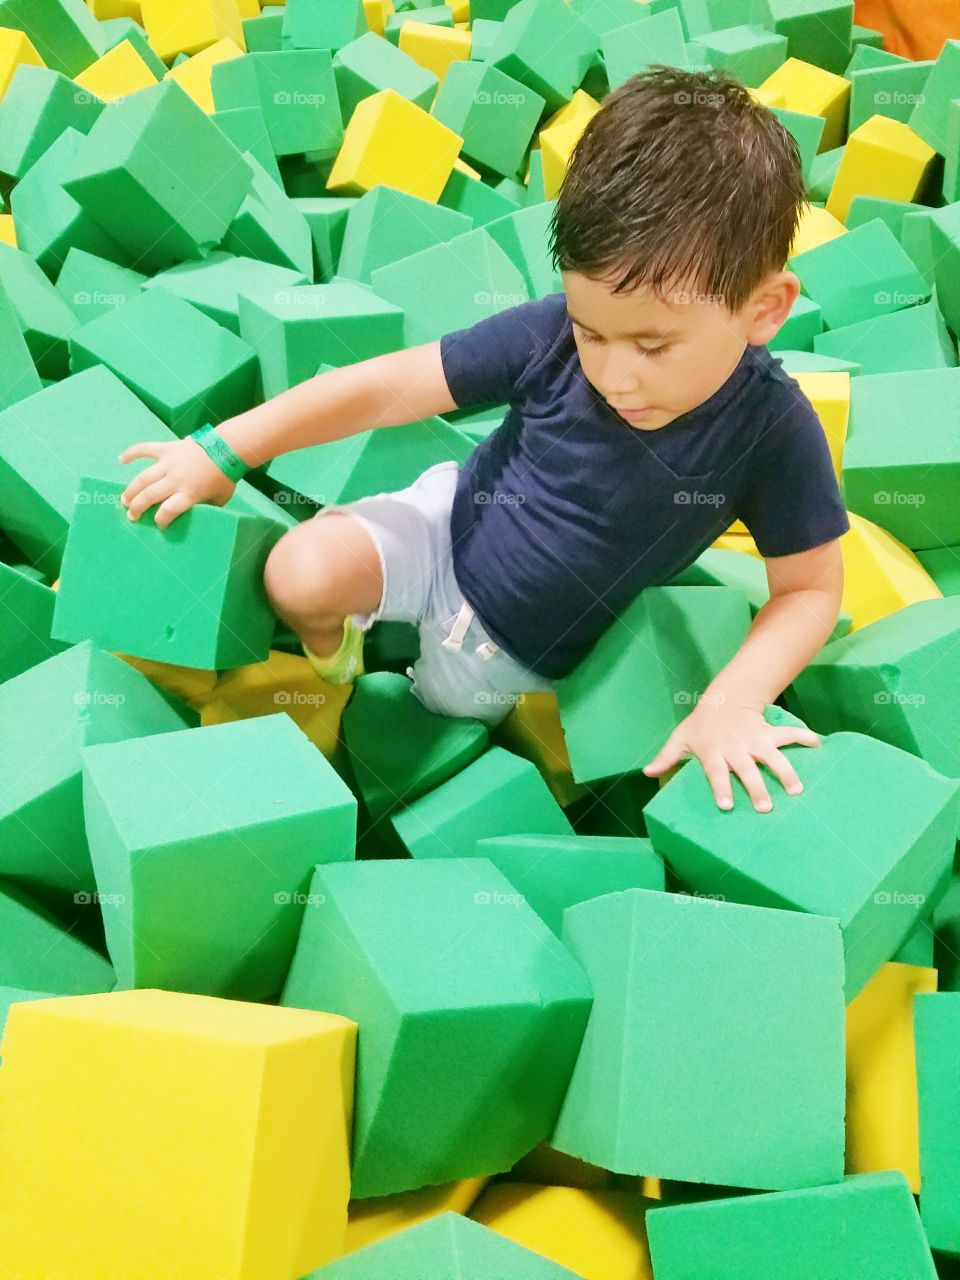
724, 737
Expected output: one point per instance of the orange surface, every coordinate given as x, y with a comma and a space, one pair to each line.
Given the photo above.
912, 28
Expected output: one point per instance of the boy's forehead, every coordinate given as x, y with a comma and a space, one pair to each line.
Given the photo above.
637, 312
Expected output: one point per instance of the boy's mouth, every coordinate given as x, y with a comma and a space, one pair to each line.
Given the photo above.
633, 415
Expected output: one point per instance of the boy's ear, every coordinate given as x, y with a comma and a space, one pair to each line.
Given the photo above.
770, 305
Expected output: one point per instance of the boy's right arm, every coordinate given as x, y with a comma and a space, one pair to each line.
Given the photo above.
384, 391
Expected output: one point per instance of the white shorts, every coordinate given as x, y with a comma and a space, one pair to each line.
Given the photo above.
460, 671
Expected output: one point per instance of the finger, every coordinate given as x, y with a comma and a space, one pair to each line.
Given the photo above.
783, 735
668, 755
172, 507
718, 775
145, 500
149, 475
146, 449
749, 774
779, 765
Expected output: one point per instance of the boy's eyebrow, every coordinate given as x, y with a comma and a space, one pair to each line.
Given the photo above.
637, 333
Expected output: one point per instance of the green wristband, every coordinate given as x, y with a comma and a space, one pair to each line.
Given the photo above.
217, 449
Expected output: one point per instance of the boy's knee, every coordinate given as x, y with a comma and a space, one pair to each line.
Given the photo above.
315, 569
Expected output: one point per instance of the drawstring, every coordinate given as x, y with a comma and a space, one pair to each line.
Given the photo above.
454, 641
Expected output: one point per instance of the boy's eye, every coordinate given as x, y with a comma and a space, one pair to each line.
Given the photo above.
589, 337
655, 351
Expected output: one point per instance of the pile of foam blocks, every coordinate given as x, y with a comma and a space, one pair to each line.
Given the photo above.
303, 980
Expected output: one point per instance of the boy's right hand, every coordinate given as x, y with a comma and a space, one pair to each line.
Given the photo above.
182, 475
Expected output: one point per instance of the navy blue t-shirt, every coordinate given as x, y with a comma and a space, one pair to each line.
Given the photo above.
566, 512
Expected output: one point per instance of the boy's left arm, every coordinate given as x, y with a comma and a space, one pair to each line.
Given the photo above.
726, 730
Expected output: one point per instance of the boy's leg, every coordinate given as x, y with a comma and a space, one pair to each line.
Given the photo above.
320, 572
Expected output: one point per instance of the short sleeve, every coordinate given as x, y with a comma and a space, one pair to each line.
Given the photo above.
484, 362
792, 502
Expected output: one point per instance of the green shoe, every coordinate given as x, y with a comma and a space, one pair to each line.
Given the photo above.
346, 663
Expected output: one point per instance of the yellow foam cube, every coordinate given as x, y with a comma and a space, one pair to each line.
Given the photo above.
532, 730
882, 1127
768, 97
599, 1235
120, 72
188, 26
155, 1133
8, 232
103, 9
391, 141
461, 10
371, 1220
16, 49
377, 12
249, 8
816, 227
881, 575
829, 393
434, 48
883, 158
809, 89
191, 685
193, 76
559, 135
284, 682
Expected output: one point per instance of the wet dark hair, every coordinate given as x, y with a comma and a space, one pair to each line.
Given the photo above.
680, 181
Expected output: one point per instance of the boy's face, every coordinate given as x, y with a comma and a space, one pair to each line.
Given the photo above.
664, 354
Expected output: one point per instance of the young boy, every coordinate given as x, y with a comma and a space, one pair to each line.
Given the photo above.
645, 416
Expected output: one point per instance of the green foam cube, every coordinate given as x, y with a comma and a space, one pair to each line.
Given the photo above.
495, 115
74, 699
192, 594
943, 566
524, 238
36, 109
891, 91
116, 30
818, 31
447, 1247
936, 1019
263, 34
37, 952
269, 226
371, 63
295, 331
800, 328
398, 749
749, 52
91, 285
333, 24
822, 173
48, 220
295, 89
715, 1046
478, 200
208, 842
386, 225
26, 613
159, 177
364, 463
470, 276
45, 320
247, 130
915, 338
327, 219
545, 46
865, 1225
657, 38
186, 368
439, 15
645, 674
901, 461
64, 32
20, 377
861, 275
874, 864
470, 1010
930, 115
213, 286
555, 872
498, 794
